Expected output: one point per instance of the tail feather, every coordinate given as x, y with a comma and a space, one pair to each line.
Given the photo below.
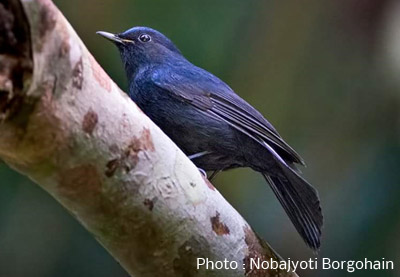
301, 202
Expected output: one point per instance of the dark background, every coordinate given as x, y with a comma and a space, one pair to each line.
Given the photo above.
325, 73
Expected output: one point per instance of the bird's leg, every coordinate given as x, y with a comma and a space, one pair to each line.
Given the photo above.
215, 172
198, 155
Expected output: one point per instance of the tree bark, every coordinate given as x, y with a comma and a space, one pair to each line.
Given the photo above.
66, 125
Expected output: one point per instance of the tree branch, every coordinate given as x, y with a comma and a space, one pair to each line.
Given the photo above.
66, 125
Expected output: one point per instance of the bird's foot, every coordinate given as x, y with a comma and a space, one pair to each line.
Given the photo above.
203, 172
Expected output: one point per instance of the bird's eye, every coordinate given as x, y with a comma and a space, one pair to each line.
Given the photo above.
144, 38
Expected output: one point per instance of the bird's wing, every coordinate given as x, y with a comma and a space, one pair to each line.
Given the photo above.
208, 93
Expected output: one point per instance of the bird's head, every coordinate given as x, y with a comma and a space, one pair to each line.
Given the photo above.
141, 46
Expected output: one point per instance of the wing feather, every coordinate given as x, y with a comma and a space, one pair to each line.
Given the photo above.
208, 93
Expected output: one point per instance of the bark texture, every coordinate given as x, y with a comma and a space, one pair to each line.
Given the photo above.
66, 125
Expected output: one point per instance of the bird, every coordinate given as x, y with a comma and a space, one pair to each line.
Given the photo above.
213, 125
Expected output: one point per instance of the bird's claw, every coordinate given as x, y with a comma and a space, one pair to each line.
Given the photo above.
203, 172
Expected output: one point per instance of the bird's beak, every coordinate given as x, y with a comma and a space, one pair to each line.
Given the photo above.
111, 37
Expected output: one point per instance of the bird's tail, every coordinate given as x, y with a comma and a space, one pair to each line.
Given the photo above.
301, 202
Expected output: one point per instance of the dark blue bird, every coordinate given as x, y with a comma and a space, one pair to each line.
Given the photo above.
216, 128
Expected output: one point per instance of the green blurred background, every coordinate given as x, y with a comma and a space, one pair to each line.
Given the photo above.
325, 73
